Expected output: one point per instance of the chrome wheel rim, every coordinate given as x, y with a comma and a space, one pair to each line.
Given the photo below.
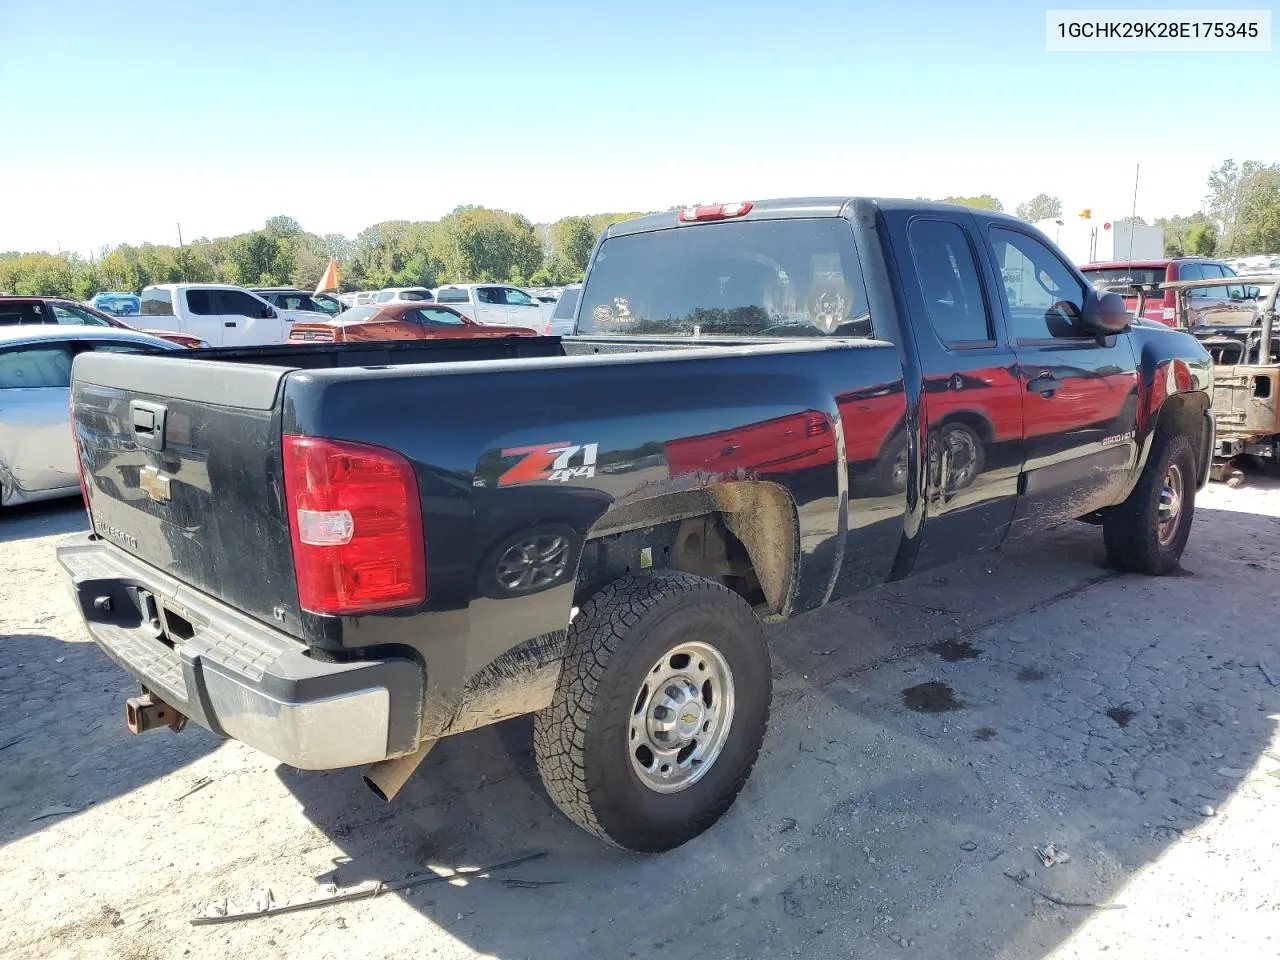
680, 717
1172, 491
963, 452
532, 563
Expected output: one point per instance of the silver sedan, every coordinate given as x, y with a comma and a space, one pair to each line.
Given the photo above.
37, 457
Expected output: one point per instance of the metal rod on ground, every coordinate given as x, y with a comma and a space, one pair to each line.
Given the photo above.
386, 777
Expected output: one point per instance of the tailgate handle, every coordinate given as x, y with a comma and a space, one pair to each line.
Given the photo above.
229, 323
148, 423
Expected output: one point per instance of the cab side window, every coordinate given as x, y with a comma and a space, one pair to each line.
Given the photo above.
236, 303
439, 318
1044, 299
518, 298
947, 273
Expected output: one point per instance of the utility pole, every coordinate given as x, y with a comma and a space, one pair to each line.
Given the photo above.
1133, 221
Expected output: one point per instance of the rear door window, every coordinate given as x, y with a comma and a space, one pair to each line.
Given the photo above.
491, 295
40, 365
749, 278
15, 313
237, 303
947, 274
202, 303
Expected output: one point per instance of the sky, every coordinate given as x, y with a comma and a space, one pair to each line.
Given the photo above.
121, 121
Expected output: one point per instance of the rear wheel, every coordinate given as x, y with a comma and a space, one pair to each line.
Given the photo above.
660, 711
1148, 532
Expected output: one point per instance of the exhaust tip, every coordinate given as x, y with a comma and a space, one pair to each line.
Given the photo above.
368, 782
386, 777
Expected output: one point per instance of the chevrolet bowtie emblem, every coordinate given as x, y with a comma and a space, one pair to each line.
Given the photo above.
154, 484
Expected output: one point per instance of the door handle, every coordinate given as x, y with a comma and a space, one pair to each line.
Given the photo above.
1046, 384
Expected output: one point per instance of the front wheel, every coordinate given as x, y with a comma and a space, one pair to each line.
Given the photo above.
1148, 532
659, 713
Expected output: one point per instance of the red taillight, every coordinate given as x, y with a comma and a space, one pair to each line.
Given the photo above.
815, 425
356, 526
714, 211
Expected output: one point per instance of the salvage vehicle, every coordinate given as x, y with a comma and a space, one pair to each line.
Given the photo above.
400, 321
1246, 381
37, 458
340, 554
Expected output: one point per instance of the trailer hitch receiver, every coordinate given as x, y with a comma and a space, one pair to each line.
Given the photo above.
149, 712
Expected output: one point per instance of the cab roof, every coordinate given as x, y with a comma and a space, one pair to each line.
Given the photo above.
798, 207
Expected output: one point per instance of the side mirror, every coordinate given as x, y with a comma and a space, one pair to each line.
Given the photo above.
1252, 293
268, 312
1105, 315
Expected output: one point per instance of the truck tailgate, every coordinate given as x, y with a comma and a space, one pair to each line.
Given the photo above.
181, 461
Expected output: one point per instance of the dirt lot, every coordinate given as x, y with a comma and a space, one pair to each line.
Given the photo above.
925, 738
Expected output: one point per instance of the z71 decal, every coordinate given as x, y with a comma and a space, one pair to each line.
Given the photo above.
550, 461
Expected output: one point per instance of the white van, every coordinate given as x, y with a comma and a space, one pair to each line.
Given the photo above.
496, 303
219, 314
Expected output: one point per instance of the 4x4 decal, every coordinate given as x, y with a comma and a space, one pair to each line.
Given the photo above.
550, 461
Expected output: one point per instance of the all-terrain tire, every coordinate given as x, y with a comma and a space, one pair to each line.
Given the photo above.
581, 741
1132, 530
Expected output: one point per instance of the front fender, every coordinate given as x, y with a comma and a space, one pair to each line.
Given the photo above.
1175, 395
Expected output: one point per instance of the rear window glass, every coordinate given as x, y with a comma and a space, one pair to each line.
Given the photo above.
156, 303
357, 314
1124, 276
564, 306
763, 278
452, 295
415, 295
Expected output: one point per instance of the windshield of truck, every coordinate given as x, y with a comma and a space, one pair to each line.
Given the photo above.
750, 278
1124, 276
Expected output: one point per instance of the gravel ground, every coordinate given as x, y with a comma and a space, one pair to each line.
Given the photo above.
926, 736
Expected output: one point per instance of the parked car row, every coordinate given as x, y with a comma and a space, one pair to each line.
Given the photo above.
1231, 305
28, 311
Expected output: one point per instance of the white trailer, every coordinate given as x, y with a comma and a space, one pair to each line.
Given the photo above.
1100, 241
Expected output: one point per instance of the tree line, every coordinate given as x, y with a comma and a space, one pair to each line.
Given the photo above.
1241, 216
470, 244
1241, 213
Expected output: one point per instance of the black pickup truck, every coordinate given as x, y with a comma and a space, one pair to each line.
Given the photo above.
340, 554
